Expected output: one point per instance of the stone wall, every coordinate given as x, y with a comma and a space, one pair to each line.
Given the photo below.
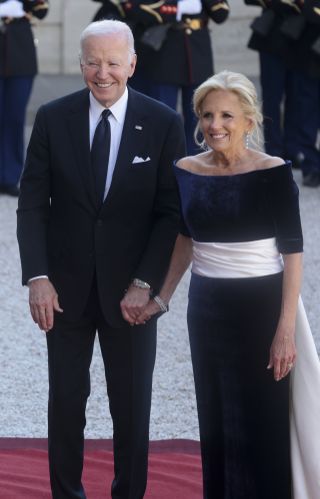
58, 35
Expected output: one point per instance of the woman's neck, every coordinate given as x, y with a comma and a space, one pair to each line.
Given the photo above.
230, 160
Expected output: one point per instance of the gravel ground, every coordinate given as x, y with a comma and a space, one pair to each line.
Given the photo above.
23, 366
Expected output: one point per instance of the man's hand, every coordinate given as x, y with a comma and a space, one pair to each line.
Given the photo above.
151, 309
133, 303
43, 301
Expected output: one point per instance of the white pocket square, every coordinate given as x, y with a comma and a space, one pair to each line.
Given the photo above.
137, 159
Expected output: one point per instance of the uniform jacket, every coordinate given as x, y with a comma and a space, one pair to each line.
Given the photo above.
62, 232
17, 48
270, 37
308, 45
293, 33
185, 58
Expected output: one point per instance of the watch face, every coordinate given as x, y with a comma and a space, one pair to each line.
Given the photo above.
140, 284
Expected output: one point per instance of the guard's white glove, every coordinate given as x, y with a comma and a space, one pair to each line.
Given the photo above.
188, 7
11, 8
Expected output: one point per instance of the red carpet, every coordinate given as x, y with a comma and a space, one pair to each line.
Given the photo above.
174, 469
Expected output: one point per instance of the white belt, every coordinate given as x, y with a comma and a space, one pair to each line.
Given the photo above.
231, 260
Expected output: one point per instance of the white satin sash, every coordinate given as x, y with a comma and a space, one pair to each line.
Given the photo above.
228, 260
255, 259
305, 413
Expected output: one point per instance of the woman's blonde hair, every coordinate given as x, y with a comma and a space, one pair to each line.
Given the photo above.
243, 88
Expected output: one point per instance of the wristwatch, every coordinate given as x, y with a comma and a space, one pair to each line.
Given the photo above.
138, 283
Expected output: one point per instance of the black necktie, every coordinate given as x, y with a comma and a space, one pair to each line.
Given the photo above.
100, 153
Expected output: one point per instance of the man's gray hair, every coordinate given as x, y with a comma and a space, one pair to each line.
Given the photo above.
108, 27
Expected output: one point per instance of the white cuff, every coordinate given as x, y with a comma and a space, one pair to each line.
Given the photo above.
12, 8
188, 7
37, 277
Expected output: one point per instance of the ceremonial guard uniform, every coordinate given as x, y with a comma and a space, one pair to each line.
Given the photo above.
18, 66
173, 46
282, 37
307, 61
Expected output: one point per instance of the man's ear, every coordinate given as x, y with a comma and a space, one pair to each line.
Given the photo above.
81, 65
133, 65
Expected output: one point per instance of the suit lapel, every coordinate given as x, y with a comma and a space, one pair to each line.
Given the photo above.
133, 133
78, 122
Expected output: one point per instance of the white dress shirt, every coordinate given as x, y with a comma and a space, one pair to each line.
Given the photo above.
116, 120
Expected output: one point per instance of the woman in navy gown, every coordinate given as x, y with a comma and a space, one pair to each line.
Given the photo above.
241, 230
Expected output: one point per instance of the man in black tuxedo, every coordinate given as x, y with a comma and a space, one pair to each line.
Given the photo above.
92, 259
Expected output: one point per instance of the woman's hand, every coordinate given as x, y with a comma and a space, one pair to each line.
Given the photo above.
283, 349
282, 352
133, 303
151, 309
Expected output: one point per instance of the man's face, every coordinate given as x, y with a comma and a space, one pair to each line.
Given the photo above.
106, 65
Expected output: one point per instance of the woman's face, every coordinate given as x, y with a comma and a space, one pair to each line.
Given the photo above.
223, 122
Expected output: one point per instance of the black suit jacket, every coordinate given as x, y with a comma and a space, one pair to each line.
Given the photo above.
61, 230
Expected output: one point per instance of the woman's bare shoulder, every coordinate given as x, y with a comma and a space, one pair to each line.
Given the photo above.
191, 163
264, 161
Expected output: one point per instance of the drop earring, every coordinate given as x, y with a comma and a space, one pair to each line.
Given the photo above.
247, 140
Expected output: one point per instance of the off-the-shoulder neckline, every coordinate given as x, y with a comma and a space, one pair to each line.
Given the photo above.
262, 170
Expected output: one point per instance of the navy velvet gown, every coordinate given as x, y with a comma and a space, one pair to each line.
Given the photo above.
243, 413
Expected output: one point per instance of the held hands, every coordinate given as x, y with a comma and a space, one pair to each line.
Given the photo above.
137, 307
151, 309
43, 302
282, 353
133, 303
